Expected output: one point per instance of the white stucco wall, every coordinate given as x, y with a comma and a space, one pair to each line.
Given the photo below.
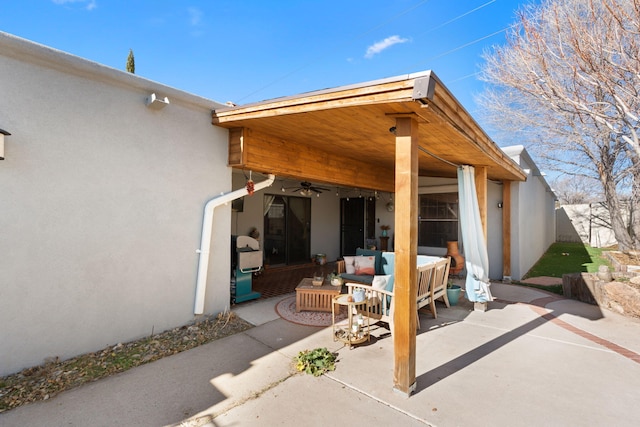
494, 230
101, 202
532, 217
586, 223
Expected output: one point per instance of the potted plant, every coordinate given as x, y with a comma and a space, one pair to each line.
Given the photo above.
453, 292
384, 229
335, 279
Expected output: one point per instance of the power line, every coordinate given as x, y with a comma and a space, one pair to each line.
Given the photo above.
385, 23
361, 35
455, 49
444, 24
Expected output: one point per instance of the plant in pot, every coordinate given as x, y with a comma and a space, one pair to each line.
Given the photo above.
335, 279
385, 230
453, 292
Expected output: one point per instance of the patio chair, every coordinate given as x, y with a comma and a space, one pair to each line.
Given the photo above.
432, 285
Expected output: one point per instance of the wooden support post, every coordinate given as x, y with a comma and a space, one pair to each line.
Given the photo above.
481, 191
506, 230
406, 252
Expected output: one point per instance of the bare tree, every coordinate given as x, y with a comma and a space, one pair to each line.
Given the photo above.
566, 84
576, 190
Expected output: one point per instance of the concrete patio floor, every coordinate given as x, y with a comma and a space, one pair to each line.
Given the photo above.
532, 359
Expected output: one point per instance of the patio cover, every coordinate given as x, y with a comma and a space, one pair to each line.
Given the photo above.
381, 136
342, 135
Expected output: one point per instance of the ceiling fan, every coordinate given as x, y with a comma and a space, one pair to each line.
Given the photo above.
306, 189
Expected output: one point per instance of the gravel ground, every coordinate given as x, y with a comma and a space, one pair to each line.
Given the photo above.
45, 381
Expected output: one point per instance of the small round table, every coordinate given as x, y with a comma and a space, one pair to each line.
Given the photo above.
355, 328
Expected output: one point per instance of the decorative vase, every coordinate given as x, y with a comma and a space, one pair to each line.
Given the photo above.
453, 293
457, 260
384, 233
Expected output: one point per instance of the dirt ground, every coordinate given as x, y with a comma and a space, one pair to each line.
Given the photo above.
626, 259
55, 376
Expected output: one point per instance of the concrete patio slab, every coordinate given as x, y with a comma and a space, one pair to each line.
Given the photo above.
530, 360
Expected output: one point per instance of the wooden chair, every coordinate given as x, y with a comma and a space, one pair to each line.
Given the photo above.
432, 285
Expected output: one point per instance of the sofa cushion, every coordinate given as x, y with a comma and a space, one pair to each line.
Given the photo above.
365, 265
380, 282
349, 265
387, 262
376, 254
356, 278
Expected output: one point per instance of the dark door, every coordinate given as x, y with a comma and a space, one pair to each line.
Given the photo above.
351, 225
298, 230
287, 225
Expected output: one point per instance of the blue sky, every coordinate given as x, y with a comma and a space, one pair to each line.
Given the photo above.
250, 50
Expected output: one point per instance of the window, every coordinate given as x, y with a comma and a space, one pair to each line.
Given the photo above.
438, 220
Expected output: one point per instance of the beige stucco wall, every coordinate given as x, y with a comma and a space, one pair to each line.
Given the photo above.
101, 202
533, 224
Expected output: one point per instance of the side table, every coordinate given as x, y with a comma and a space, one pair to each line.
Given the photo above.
355, 328
384, 243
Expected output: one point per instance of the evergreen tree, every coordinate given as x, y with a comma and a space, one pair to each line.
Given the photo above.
131, 62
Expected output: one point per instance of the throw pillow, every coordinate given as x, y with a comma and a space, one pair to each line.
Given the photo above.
380, 282
365, 265
349, 266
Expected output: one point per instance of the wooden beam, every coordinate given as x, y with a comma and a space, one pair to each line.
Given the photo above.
481, 191
392, 91
249, 149
406, 253
506, 229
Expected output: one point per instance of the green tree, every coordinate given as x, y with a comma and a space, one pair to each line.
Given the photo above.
131, 62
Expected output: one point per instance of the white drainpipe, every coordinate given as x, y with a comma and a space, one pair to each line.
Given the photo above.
205, 242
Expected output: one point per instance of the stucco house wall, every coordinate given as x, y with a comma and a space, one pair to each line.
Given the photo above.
494, 230
533, 222
101, 202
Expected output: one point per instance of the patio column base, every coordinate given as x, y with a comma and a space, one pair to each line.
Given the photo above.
480, 306
407, 393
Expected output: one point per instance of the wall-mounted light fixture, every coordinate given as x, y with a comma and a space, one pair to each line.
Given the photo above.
2, 135
156, 103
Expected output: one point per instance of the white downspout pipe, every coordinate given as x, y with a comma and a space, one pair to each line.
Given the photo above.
205, 242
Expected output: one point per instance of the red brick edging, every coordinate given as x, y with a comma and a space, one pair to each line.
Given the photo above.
539, 306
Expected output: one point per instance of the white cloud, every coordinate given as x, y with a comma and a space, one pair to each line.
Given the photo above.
195, 16
378, 47
90, 4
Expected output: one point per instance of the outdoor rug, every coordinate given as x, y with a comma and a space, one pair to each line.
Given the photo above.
287, 310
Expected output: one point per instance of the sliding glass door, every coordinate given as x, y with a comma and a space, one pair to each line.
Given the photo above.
287, 227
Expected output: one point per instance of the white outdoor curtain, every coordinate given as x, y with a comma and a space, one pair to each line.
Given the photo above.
473, 241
